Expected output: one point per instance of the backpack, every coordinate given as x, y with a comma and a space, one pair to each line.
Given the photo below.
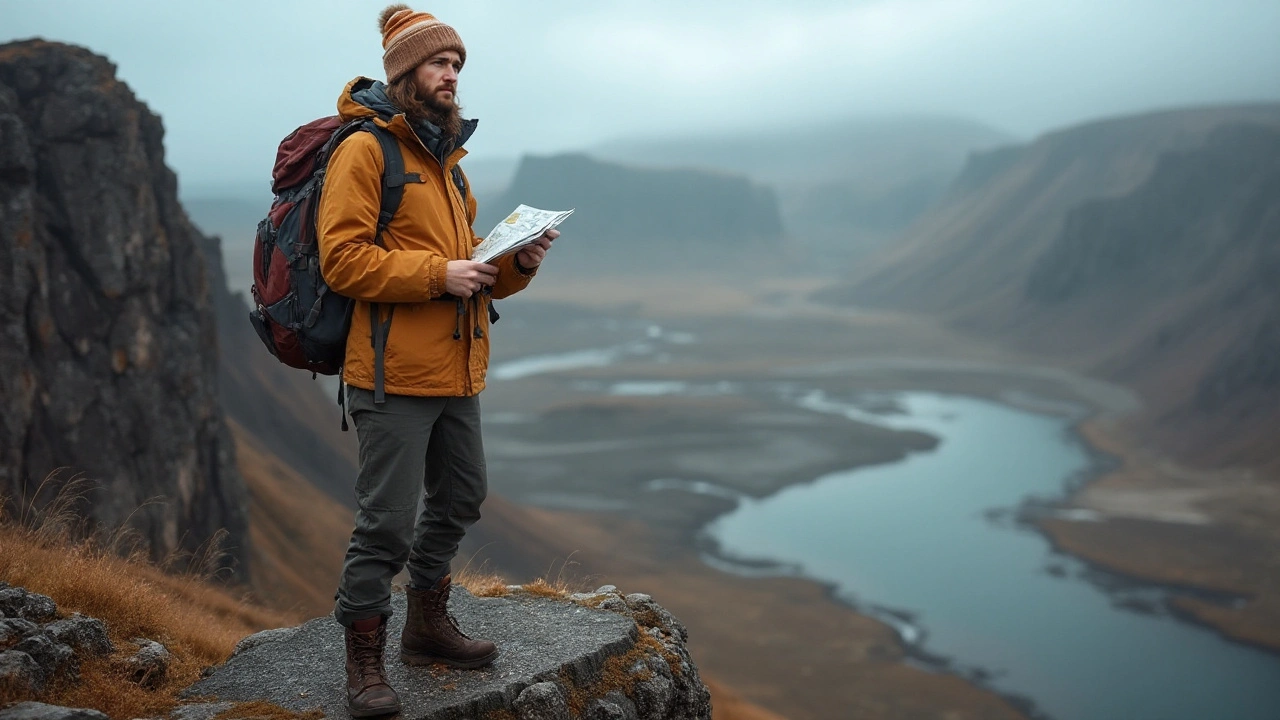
301, 321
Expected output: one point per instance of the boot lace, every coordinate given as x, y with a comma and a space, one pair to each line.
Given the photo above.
366, 652
440, 601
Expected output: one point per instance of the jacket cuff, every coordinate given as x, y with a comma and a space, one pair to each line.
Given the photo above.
527, 272
437, 273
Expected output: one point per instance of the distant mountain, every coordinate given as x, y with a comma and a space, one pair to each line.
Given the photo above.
842, 188
641, 216
489, 178
1145, 249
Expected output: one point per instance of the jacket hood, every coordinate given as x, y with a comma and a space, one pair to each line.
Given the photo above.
366, 97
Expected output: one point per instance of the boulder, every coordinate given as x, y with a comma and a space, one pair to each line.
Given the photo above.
16, 602
21, 673
150, 665
542, 701
41, 711
559, 659
55, 659
83, 634
14, 629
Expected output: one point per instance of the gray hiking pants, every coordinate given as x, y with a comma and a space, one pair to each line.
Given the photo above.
408, 445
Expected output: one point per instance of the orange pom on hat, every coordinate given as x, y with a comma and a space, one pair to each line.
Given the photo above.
410, 38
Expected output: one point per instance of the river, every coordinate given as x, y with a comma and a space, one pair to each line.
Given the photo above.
919, 536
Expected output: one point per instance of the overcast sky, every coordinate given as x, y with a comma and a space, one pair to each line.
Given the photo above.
231, 77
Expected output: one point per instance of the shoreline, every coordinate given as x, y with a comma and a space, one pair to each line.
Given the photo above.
1113, 582
915, 651
849, 352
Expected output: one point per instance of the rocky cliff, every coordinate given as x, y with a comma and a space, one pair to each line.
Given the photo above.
108, 365
1142, 249
1180, 281
968, 259
598, 656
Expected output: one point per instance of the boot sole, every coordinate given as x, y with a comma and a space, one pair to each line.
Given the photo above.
374, 712
409, 658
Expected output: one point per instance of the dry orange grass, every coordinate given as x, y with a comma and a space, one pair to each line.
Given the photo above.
197, 621
482, 582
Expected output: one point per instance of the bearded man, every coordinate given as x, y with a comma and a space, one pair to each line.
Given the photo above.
411, 388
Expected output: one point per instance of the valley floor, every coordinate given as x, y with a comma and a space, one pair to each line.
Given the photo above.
583, 438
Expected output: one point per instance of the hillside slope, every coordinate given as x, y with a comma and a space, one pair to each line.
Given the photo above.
1177, 284
1141, 249
969, 258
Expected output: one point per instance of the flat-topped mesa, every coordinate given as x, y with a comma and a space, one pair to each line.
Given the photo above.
598, 656
109, 349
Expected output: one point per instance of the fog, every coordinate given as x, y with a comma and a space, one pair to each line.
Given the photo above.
993, 408
231, 78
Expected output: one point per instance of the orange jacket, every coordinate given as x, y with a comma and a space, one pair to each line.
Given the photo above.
431, 227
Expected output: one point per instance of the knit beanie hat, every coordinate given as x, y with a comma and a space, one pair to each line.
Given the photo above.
410, 38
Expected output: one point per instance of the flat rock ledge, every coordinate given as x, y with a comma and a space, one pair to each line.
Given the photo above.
597, 655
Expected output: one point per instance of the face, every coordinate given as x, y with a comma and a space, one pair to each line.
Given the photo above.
437, 80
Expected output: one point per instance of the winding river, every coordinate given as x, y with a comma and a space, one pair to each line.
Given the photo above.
919, 536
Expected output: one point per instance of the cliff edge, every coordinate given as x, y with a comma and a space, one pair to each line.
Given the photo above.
599, 656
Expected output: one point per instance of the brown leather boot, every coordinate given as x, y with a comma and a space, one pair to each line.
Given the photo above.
431, 634
368, 692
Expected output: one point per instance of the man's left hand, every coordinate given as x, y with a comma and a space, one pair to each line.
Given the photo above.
530, 256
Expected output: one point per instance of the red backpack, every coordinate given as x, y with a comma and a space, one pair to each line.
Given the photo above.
300, 320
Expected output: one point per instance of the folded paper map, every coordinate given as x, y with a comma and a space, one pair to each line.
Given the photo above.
521, 228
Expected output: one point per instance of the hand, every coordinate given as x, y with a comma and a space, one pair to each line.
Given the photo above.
530, 256
465, 277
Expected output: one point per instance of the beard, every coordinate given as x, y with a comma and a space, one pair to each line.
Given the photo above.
444, 114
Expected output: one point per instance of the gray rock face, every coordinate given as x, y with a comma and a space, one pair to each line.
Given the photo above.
560, 659
150, 665
14, 629
542, 701
55, 659
16, 602
41, 711
21, 672
107, 335
83, 634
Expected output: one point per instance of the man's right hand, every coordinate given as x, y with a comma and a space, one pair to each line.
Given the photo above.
464, 278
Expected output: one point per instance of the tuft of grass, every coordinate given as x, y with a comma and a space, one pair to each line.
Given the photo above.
50, 551
484, 583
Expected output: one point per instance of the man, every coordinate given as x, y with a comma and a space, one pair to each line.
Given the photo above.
413, 398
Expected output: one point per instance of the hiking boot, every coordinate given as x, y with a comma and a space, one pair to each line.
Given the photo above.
431, 634
368, 692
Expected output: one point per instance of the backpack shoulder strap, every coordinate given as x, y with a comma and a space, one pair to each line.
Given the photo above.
461, 182
393, 176
393, 180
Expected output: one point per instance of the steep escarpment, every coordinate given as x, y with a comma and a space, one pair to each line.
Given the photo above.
108, 366
591, 655
640, 216
968, 260
1179, 281
1141, 249
1144, 250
